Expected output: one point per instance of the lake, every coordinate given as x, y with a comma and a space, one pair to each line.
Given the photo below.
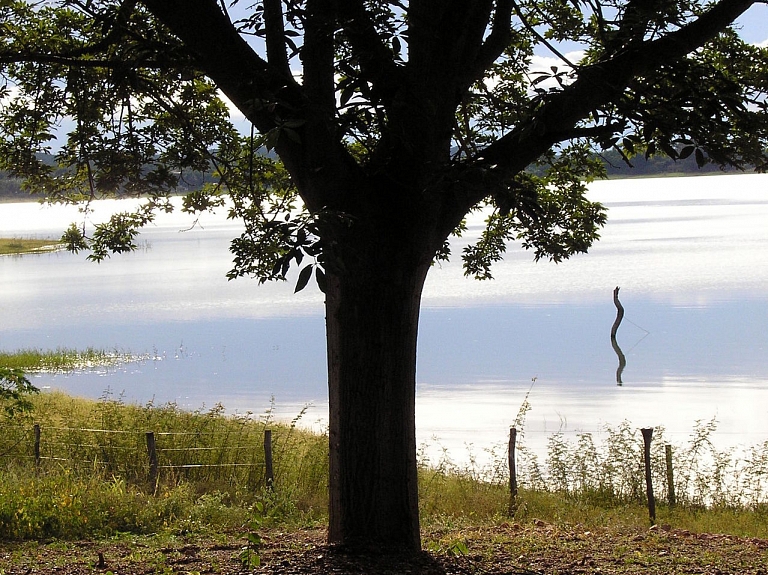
690, 256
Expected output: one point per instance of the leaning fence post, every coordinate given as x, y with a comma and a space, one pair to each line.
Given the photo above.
512, 471
670, 476
647, 436
153, 464
37, 446
269, 477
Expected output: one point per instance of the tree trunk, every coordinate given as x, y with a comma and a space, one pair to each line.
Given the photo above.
372, 323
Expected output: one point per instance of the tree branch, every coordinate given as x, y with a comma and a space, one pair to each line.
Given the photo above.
318, 56
539, 37
377, 63
602, 27
277, 54
597, 84
117, 26
64, 59
255, 87
498, 40
316, 159
446, 38
634, 24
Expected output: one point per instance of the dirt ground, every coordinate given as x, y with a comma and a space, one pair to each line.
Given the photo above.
509, 549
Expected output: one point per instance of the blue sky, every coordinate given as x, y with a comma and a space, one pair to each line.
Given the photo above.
755, 25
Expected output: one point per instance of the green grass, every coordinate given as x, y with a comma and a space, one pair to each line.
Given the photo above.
93, 480
17, 246
63, 359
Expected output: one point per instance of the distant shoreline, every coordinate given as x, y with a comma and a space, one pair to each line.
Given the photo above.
18, 198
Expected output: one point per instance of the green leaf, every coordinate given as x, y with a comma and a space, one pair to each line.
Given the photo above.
73, 239
14, 391
701, 159
687, 151
669, 150
304, 276
321, 280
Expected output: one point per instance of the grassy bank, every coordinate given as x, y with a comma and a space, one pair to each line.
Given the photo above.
93, 475
93, 479
63, 359
17, 246
90, 505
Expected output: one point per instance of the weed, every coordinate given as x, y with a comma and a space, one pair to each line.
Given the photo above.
250, 555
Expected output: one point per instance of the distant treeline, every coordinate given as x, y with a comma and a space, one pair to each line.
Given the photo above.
660, 165
11, 189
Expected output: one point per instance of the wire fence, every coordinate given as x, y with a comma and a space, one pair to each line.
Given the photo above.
235, 457
223, 453
641, 464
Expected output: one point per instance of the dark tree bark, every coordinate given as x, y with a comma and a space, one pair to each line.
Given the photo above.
372, 315
371, 327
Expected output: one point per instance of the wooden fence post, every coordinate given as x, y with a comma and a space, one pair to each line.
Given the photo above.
269, 477
670, 476
647, 436
37, 447
153, 464
512, 471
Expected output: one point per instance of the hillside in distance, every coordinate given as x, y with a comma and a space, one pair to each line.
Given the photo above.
616, 167
12, 190
658, 166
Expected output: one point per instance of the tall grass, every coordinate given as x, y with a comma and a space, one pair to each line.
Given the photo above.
612, 470
69, 505
93, 478
17, 246
63, 359
98, 450
601, 483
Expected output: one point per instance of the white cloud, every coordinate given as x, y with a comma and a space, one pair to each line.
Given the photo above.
546, 63
234, 112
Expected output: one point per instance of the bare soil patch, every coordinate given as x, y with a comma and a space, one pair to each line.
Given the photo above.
502, 550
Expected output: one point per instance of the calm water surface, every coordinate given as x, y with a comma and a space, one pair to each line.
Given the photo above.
690, 255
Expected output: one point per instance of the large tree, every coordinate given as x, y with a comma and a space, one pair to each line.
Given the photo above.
392, 120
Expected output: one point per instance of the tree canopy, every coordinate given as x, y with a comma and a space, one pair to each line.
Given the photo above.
392, 120
336, 90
